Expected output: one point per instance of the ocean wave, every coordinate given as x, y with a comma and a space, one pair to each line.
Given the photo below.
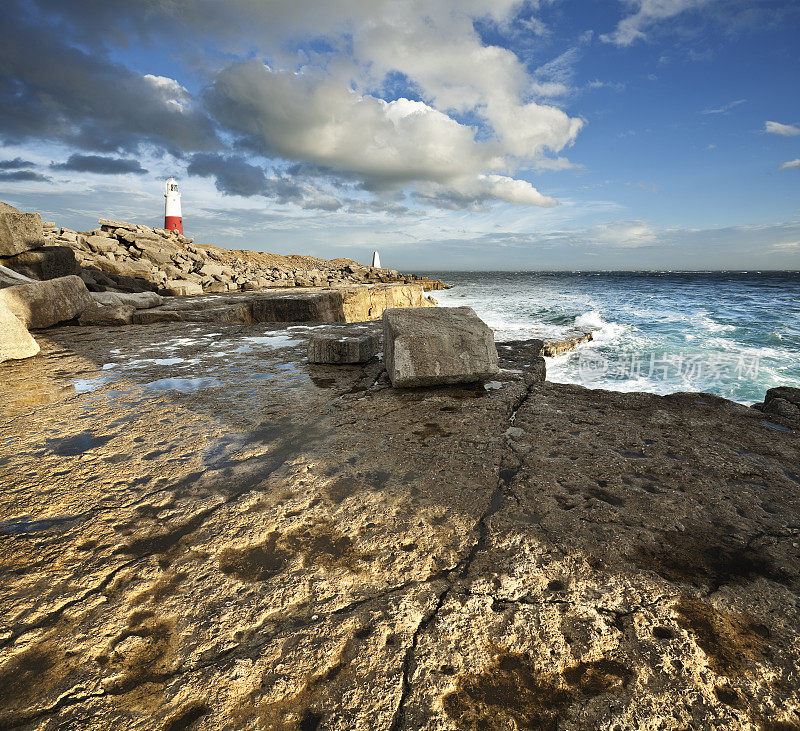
602, 331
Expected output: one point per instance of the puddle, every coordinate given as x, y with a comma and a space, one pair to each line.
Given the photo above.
778, 427
84, 385
184, 385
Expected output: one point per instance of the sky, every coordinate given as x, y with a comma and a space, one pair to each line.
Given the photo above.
448, 135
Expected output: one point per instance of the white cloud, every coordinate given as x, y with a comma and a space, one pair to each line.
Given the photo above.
646, 14
623, 234
725, 108
791, 164
313, 117
785, 130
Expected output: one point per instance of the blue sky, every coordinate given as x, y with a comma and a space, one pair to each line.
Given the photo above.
479, 134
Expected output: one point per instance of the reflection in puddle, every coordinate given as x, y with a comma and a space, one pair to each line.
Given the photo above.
84, 385
184, 385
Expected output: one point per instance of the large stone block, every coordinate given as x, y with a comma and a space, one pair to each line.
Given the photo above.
15, 340
341, 349
47, 262
441, 345
42, 304
323, 306
20, 232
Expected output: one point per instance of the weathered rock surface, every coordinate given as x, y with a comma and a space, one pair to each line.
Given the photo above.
566, 342
15, 340
137, 300
42, 304
107, 315
10, 278
437, 346
20, 232
46, 262
783, 402
342, 349
201, 530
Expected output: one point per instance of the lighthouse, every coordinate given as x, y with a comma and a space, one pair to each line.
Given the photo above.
172, 207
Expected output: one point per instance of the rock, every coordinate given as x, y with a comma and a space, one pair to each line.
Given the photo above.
569, 341
113, 316
42, 304
105, 222
787, 393
15, 340
182, 287
6, 208
20, 232
127, 269
341, 349
443, 345
137, 300
783, 402
101, 244
323, 306
46, 262
10, 278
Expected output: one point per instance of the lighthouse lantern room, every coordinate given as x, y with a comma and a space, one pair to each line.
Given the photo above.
172, 207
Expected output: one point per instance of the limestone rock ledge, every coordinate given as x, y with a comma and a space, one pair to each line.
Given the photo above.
201, 530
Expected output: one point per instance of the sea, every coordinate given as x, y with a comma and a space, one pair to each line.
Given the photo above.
734, 334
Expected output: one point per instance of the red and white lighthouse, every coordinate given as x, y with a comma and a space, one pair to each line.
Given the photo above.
172, 207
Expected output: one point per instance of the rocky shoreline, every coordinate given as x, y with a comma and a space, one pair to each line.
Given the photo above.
202, 529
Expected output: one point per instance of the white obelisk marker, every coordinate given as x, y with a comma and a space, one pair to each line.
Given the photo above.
376, 260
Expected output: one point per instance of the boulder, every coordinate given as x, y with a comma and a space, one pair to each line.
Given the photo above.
433, 346
341, 349
118, 315
15, 340
137, 300
101, 244
107, 223
20, 232
42, 304
181, 287
128, 269
47, 262
10, 278
783, 401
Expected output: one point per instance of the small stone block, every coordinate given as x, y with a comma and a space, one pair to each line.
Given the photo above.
341, 349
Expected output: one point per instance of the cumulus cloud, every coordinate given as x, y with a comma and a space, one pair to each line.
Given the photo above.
785, 130
62, 93
646, 14
791, 164
100, 165
317, 119
321, 104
